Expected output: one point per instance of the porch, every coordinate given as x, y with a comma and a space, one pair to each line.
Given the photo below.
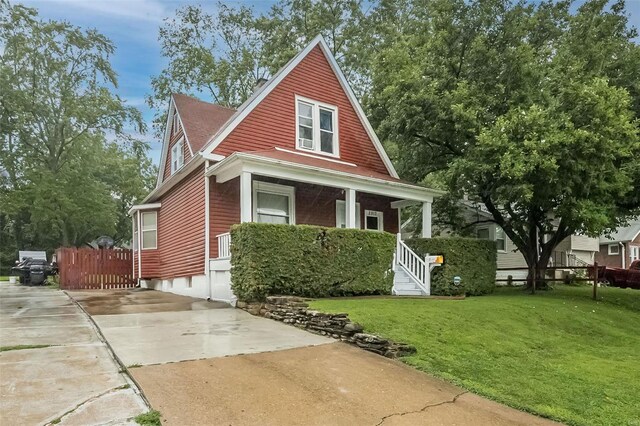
281, 186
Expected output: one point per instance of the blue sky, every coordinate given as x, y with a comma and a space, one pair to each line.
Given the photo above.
133, 26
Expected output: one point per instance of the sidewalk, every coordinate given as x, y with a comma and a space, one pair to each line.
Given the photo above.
72, 378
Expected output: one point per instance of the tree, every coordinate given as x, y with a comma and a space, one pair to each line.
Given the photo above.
528, 108
62, 134
221, 57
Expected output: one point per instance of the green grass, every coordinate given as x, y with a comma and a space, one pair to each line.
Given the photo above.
557, 353
20, 347
3, 278
151, 418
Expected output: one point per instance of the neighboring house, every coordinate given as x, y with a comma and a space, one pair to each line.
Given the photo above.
300, 150
620, 248
575, 250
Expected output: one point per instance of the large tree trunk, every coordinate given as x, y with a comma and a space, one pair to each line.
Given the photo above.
537, 264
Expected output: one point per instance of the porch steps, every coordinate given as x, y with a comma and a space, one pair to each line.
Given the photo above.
404, 284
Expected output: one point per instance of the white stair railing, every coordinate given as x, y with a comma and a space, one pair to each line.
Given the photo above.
414, 265
224, 245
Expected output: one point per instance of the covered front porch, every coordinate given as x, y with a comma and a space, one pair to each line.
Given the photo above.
286, 187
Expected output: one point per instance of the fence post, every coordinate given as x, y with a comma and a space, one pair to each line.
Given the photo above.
595, 280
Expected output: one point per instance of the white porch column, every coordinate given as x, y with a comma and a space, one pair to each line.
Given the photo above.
246, 209
426, 219
350, 208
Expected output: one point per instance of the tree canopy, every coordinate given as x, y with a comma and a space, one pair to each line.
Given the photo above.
68, 170
222, 56
529, 108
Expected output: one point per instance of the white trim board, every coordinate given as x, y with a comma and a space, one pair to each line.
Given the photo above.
144, 207
173, 109
239, 162
270, 85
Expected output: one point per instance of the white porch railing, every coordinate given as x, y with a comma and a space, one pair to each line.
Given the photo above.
414, 265
224, 245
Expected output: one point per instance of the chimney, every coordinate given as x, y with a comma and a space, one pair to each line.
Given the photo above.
261, 81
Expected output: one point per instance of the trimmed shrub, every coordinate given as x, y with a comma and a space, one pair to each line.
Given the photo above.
473, 260
309, 261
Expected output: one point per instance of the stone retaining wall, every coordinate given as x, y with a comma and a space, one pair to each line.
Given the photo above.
295, 311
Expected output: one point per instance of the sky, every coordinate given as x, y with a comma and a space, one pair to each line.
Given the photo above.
133, 27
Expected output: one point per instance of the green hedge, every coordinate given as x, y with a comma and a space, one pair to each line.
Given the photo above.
473, 260
309, 261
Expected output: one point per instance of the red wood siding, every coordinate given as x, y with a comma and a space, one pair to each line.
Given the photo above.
150, 263
180, 250
224, 210
175, 137
273, 122
314, 204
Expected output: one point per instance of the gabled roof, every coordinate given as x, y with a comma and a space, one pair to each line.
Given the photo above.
200, 120
628, 233
257, 97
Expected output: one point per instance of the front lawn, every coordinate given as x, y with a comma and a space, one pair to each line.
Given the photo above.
558, 353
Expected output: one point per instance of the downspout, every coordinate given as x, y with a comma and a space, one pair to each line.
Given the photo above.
207, 231
139, 248
623, 253
133, 244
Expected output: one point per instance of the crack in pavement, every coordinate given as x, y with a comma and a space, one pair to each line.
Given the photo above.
87, 401
423, 409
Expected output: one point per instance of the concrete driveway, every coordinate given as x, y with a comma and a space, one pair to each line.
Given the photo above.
147, 327
74, 380
285, 376
334, 384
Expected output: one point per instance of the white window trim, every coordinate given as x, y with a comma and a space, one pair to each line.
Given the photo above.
274, 188
380, 217
342, 204
634, 253
176, 123
492, 236
135, 232
174, 150
143, 230
504, 238
611, 252
483, 228
316, 106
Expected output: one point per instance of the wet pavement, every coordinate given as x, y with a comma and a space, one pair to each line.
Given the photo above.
200, 363
137, 300
74, 380
171, 328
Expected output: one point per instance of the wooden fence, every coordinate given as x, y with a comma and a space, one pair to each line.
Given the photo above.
87, 268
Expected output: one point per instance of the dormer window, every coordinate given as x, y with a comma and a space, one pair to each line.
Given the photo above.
177, 156
316, 126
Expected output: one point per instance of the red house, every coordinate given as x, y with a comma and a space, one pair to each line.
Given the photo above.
300, 150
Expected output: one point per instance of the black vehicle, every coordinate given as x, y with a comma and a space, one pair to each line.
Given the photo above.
33, 271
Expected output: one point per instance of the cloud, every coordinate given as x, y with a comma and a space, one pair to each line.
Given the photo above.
139, 10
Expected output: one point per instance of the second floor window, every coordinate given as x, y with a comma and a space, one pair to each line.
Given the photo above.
316, 127
177, 156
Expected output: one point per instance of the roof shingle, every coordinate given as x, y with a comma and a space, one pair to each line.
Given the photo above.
201, 119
